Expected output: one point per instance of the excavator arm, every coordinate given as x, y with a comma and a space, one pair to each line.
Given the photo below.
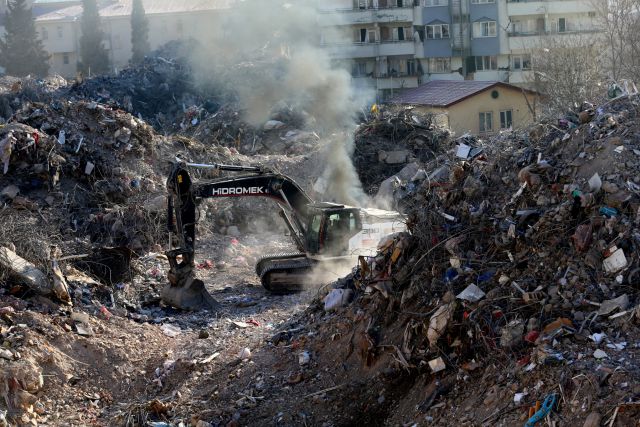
184, 290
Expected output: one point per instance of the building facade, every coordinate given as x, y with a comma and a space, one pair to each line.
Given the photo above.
168, 20
395, 44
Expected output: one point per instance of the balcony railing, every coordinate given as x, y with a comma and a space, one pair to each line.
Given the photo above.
553, 32
358, 43
363, 9
384, 75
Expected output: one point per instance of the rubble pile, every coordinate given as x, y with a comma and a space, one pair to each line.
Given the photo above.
519, 279
160, 89
285, 133
393, 138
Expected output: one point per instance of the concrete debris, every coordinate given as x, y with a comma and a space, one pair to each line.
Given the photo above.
437, 365
393, 157
609, 306
599, 354
27, 273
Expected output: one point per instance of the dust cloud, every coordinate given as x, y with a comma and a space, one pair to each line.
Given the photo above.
268, 53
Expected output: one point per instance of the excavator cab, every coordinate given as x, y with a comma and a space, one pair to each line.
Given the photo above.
331, 227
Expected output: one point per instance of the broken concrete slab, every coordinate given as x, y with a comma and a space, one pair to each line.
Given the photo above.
393, 157
609, 306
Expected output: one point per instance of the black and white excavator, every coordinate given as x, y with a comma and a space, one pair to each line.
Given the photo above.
321, 231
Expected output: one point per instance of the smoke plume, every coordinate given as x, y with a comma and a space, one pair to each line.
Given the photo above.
268, 53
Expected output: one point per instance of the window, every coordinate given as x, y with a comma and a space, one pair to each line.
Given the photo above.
44, 33
486, 122
428, 3
439, 65
485, 29
506, 119
366, 35
486, 63
59, 30
521, 62
371, 34
360, 69
411, 67
65, 59
438, 31
562, 25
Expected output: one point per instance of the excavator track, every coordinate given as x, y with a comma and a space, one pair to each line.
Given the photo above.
284, 273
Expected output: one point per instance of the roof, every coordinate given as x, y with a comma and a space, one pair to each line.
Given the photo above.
443, 93
123, 8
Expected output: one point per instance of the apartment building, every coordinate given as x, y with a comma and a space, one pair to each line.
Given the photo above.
394, 44
168, 20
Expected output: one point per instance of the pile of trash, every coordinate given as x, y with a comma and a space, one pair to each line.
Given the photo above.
522, 253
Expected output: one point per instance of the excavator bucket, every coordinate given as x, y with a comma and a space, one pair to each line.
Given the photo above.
184, 291
191, 296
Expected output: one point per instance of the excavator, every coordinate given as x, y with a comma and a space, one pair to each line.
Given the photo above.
321, 231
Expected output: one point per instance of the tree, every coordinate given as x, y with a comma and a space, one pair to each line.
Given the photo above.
21, 51
619, 21
139, 32
568, 70
93, 54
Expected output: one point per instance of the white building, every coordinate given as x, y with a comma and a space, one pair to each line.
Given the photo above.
393, 44
168, 20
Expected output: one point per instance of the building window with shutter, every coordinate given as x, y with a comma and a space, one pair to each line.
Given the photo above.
506, 119
486, 122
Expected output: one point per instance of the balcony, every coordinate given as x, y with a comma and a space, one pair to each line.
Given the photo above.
371, 15
352, 50
536, 7
386, 82
394, 14
370, 50
536, 39
555, 31
396, 47
400, 82
345, 17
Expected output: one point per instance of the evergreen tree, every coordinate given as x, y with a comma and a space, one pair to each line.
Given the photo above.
21, 51
93, 55
139, 32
